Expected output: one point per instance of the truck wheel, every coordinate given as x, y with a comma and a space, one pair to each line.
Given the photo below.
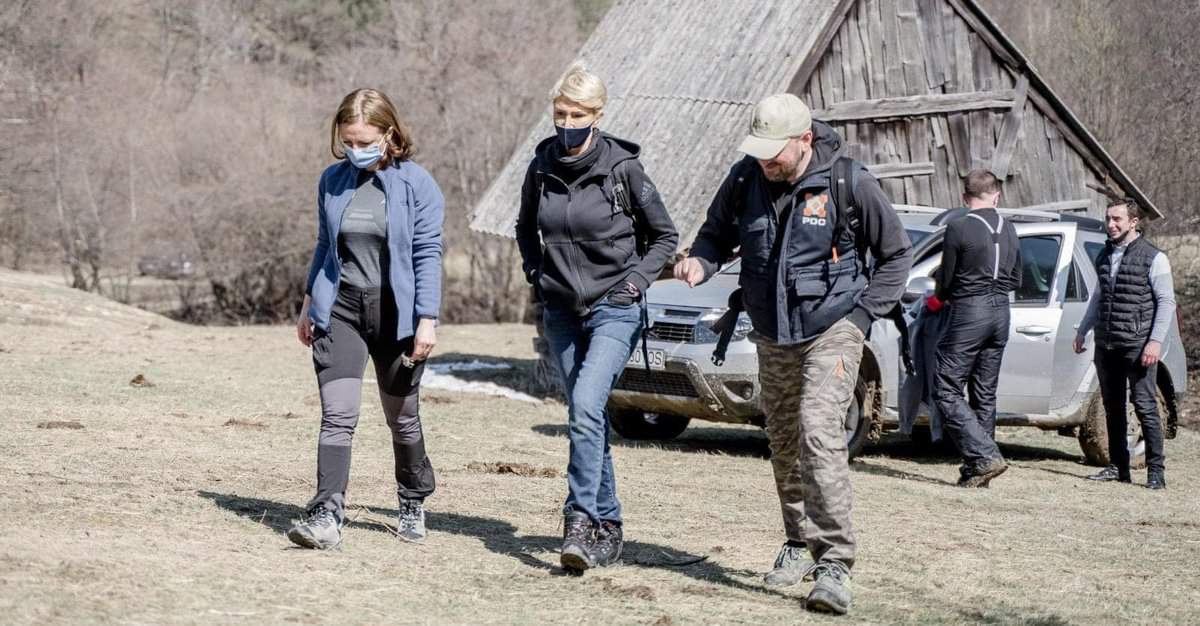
858, 420
858, 430
1093, 433
634, 424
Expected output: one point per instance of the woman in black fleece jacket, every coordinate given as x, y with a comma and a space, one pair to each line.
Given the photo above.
593, 234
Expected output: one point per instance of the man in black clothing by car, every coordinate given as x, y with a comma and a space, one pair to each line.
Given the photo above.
981, 264
1131, 311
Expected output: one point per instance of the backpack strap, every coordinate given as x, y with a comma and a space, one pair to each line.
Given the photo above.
618, 181
841, 182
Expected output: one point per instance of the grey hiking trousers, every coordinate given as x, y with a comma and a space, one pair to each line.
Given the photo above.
363, 322
806, 389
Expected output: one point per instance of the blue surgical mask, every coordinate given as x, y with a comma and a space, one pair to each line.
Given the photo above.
573, 137
362, 158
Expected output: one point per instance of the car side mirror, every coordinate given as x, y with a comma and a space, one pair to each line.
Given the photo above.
917, 288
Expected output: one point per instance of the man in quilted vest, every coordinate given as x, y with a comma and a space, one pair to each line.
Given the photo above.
1131, 314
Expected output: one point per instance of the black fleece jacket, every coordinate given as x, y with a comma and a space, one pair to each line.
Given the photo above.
576, 243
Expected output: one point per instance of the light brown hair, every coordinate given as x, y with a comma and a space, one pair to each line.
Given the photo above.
979, 183
373, 107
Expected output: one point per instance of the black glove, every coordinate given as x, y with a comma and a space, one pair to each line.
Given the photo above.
624, 295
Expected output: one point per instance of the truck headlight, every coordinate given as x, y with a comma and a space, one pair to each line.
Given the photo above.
704, 333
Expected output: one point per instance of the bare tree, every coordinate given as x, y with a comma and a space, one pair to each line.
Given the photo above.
168, 126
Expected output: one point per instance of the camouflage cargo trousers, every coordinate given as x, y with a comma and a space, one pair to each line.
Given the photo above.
806, 389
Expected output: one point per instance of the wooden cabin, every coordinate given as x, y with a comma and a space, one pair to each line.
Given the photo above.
922, 91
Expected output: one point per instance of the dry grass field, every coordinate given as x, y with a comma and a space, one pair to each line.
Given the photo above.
165, 501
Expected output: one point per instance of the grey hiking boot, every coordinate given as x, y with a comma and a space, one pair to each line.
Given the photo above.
410, 525
790, 566
318, 530
610, 540
578, 538
831, 594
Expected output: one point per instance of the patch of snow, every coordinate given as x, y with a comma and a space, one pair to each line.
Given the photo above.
463, 366
434, 380
436, 376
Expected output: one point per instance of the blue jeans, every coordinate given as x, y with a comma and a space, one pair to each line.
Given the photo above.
590, 352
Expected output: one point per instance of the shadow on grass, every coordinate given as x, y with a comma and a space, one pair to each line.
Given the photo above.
517, 373
501, 538
741, 442
859, 465
896, 445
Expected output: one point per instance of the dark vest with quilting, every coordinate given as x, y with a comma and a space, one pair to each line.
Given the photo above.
1127, 305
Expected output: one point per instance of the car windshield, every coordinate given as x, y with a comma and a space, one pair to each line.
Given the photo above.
915, 235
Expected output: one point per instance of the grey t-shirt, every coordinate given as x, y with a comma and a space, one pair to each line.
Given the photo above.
362, 240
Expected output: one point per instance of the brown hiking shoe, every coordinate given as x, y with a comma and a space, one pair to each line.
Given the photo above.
610, 540
578, 538
980, 478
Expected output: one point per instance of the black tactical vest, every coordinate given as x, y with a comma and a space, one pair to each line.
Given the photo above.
1127, 304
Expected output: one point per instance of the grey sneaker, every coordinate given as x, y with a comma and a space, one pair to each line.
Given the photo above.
411, 523
831, 594
790, 566
318, 530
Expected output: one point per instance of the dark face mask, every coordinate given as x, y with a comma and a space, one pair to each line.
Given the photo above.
572, 138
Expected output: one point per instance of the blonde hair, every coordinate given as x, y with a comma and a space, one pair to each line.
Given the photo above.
582, 87
373, 107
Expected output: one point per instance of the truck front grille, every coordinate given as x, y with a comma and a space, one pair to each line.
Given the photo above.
672, 331
656, 382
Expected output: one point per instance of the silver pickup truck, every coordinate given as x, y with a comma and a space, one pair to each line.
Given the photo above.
1043, 382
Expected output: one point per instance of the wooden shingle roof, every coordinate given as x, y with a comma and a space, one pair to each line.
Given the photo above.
683, 77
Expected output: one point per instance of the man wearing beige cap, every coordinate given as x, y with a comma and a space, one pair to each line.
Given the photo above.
805, 217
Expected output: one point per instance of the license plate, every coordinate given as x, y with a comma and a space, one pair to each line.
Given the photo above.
658, 358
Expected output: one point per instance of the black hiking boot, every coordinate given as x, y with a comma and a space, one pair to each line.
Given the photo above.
610, 540
1110, 474
578, 538
1156, 482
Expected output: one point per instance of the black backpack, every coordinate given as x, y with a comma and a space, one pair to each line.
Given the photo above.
841, 186
618, 181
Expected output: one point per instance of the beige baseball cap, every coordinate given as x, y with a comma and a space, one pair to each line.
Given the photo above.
776, 119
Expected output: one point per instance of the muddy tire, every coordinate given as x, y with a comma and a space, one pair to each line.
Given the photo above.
858, 428
1093, 433
858, 420
634, 424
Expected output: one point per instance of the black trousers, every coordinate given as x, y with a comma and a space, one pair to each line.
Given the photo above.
969, 353
362, 324
1118, 369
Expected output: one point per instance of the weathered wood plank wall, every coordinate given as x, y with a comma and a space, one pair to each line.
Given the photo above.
916, 82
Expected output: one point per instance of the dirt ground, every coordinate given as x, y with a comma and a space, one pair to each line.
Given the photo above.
166, 502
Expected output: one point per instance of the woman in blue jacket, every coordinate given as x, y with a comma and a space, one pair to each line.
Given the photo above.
374, 288
593, 234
